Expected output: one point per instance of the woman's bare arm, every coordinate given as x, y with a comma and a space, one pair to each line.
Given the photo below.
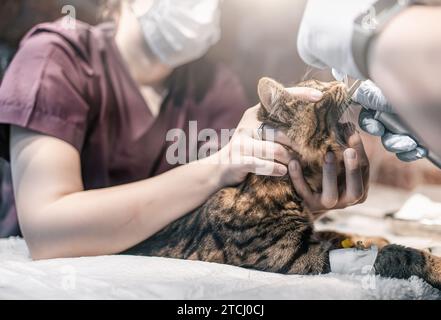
405, 62
405, 59
59, 219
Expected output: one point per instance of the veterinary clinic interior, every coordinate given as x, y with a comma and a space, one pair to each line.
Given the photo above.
220, 149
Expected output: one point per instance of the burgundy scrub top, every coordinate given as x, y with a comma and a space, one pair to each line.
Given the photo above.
74, 85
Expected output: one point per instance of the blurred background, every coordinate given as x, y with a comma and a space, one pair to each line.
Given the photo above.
259, 39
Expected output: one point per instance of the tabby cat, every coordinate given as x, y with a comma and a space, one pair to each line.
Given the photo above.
262, 223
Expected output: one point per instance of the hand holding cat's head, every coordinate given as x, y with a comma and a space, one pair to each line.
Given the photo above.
312, 126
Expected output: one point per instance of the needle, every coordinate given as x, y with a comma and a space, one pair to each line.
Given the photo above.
354, 88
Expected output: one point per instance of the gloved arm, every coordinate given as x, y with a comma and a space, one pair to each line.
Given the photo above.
372, 100
403, 59
325, 35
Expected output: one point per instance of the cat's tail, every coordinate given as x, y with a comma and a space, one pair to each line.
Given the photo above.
396, 261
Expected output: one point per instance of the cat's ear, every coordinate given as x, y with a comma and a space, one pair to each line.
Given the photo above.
270, 93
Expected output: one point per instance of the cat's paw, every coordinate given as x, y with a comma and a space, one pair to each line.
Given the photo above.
368, 242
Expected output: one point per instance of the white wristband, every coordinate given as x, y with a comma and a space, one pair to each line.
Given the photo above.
353, 261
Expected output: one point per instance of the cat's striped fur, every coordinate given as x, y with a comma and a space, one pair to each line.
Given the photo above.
262, 224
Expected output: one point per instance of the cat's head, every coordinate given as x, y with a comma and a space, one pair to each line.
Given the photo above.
312, 126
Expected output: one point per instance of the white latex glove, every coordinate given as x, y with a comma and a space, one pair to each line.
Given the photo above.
371, 97
325, 36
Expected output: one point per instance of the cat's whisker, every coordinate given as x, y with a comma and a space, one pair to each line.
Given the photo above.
307, 74
352, 113
341, 109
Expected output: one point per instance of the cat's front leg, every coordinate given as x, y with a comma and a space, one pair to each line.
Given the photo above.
393, 261
367, 242
400, 262
342, 240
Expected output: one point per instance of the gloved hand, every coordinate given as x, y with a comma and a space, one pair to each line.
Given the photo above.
371, 97
325, 36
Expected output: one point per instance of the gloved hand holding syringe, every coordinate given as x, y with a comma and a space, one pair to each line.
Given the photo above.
377, 118
344, 39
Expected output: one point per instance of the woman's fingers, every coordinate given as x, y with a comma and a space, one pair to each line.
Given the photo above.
300, 185
356, 143
329, 197
281, 154
259, 157
354, 178
264, 167
265, 152
306, 93
244, 145
271, 151
275, 135
270, 134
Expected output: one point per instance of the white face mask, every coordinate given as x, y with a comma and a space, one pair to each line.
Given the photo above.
181, 31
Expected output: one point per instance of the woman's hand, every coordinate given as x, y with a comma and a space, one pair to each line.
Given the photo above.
357, 180
248, 153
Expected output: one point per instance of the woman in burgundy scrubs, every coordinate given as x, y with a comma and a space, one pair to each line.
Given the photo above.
84, 115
